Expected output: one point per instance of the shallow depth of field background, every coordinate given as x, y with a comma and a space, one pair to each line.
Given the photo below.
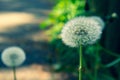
35, 26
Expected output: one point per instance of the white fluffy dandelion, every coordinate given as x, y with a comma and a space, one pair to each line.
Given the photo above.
80, 30
13, 56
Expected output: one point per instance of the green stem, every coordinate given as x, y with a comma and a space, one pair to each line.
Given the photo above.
80, 64
14, 73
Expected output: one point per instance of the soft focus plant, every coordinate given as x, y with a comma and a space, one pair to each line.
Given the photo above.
13, 57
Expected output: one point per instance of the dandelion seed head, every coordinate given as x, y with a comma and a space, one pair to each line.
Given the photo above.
13, 56
80, 30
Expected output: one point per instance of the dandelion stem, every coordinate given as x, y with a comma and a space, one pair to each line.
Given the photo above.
80, 63
14, 73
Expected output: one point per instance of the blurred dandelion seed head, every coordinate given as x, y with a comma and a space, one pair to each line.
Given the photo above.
80, 30
114, 15
13, 56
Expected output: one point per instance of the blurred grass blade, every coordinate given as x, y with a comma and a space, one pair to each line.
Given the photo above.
113, 63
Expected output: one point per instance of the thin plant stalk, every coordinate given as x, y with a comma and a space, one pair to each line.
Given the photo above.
80, 63
14, 73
